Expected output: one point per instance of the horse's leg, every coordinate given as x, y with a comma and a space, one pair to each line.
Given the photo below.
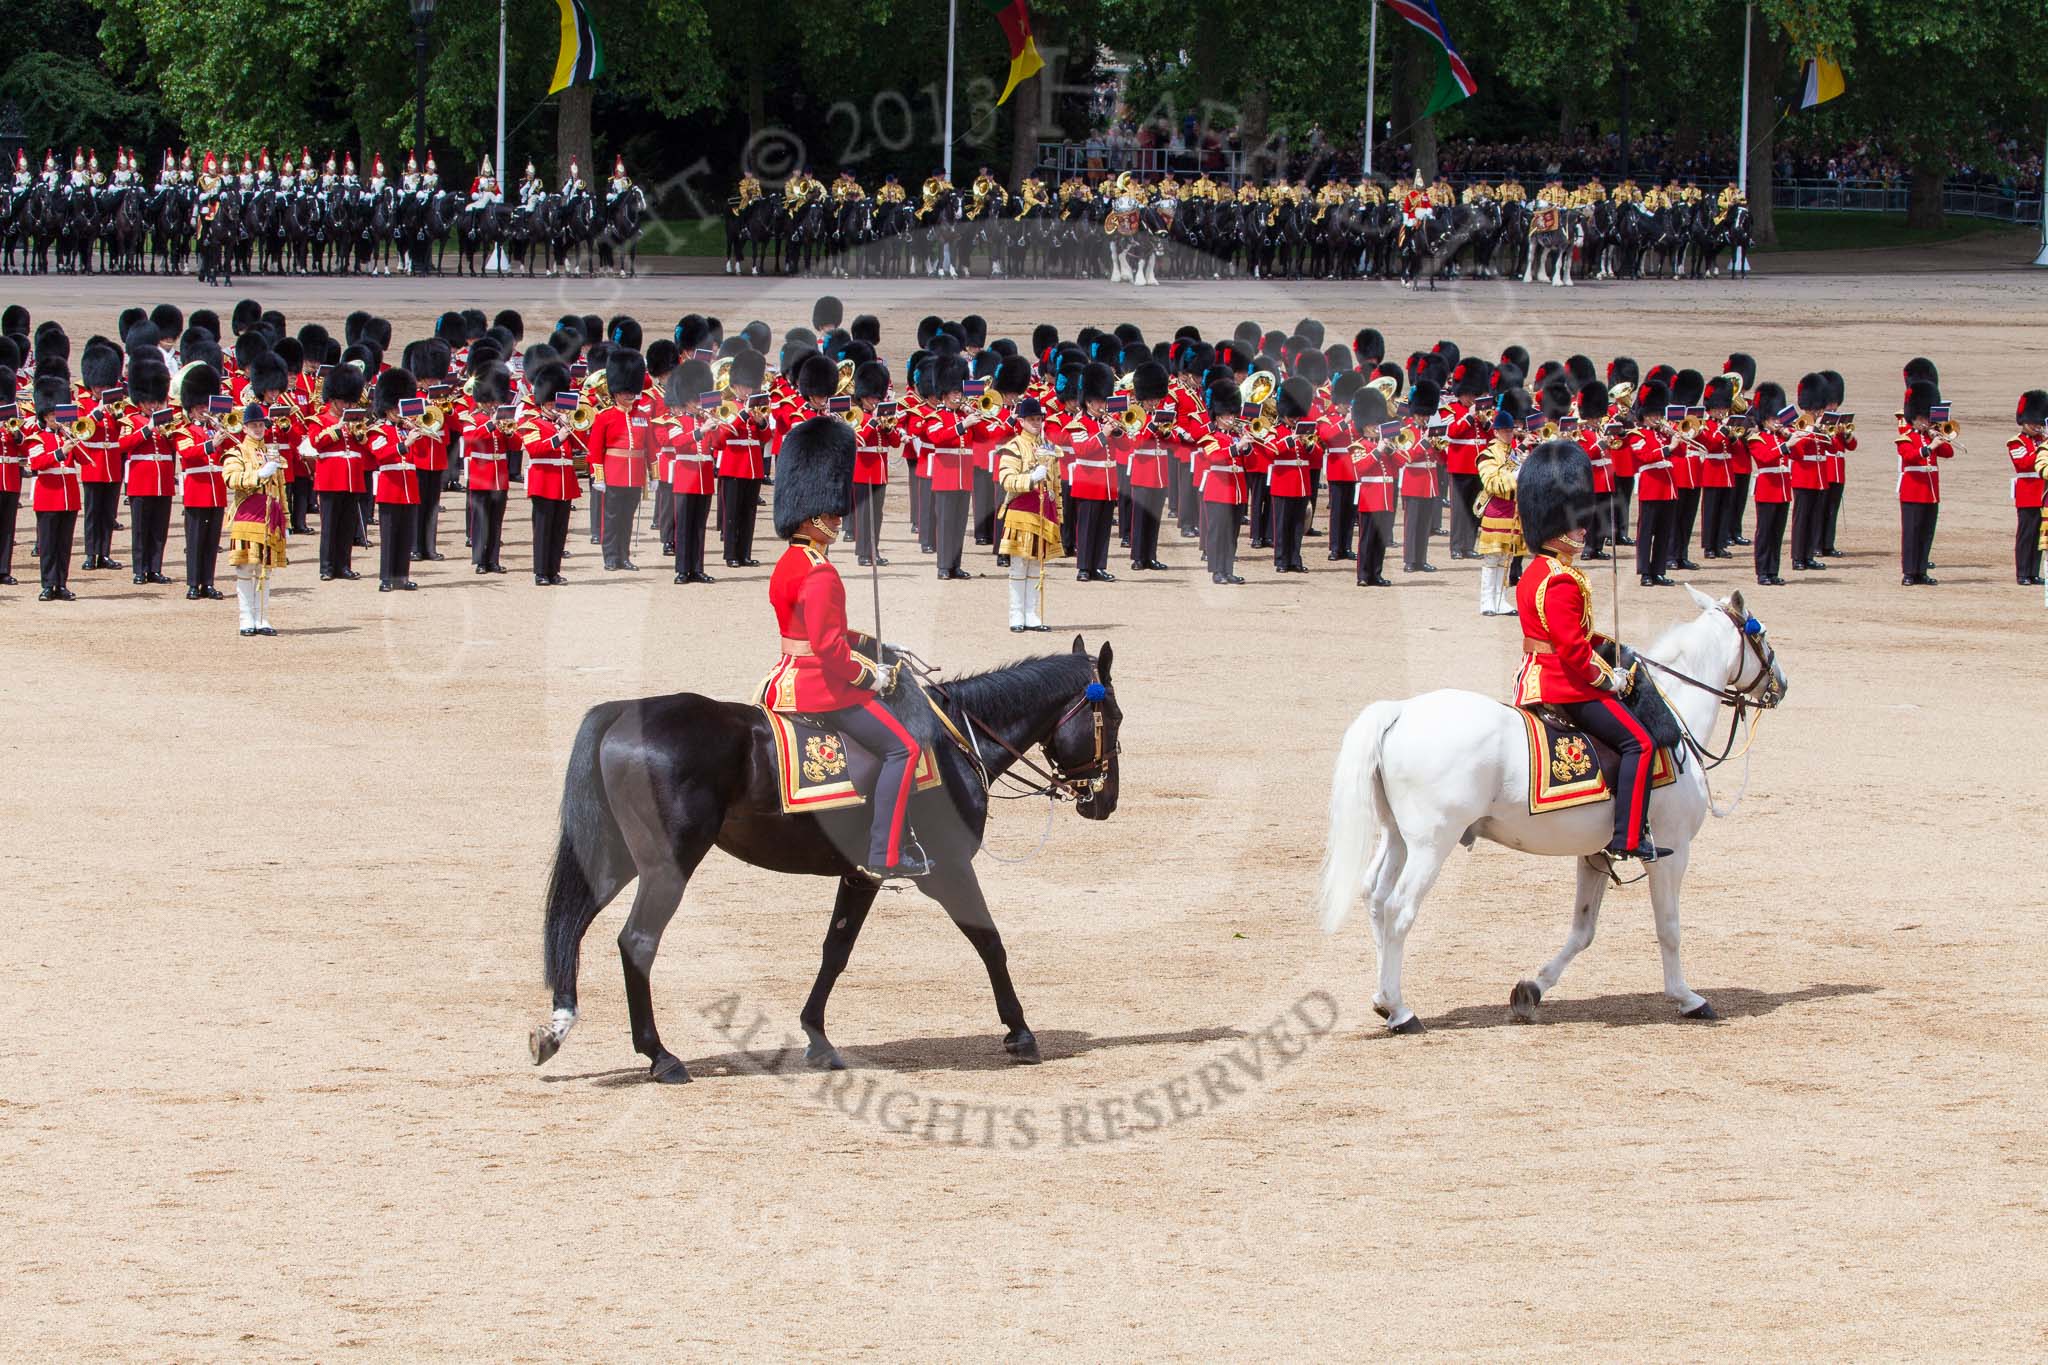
664, 860
1388, 860
958, 890
1592, 887
1418, 874
1666, 875
849, 913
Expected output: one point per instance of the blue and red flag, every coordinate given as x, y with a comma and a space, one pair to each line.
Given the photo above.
1453, 78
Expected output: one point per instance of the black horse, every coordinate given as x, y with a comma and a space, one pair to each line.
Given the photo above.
653, 785
220, 234
753, 225
618, 245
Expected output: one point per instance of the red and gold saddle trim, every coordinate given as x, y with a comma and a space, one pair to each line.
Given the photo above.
814, 771
1565, 767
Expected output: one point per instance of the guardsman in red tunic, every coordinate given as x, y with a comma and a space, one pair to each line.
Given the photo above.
1717, 468
1921, 447
1740, 369
737, 445
949, 464
1091, 471
149, 455
1656, 488
1683, 433
819, 673
1764, 439
1839, 428
204, 486
100, 452
878, 434
693, 481
13, 457
1560, 665
395, 479
1148, 455
621, 442
489, 434
53, 462
1808, 453
1467, 436
427, 450
1219, 474
340, 440
1287, 479
1598, 435
1377, 464
551, 484
2025, 450
1425, 446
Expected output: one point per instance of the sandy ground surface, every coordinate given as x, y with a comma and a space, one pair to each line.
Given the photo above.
273, 914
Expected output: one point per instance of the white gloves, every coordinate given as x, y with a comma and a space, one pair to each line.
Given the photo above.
1039, 474
269, 468
885, 678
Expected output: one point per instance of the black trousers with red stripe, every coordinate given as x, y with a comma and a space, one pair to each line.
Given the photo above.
874, 728
1614, 725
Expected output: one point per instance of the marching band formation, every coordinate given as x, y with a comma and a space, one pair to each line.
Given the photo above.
295, 219
1061, 447
1122, 227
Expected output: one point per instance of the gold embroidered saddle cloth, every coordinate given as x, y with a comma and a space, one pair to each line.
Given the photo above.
1568, 767
817, 768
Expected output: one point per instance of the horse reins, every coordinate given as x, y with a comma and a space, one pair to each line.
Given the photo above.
1053, 782
1738, 700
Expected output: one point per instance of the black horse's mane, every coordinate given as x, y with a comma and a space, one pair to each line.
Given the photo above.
999, 696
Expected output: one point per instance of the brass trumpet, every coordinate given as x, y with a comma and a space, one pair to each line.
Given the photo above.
988, 404
1134, 420
1948, 429
81, 428
1690, 426
434, 420
584, 417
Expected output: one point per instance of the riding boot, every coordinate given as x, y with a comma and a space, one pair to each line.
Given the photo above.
263, 607
245, 597
1020, 588
1489, 586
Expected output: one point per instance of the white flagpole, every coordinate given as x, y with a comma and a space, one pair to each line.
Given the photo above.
2042, 259
1742, 148
1372, 67
952, 23
498, 265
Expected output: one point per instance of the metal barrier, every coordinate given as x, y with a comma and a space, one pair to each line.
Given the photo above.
2004, 204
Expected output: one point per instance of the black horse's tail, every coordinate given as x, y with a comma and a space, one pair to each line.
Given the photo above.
588, 855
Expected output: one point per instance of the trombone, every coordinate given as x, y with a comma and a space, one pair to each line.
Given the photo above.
988, 404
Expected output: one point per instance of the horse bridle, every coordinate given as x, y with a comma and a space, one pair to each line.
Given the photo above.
1759, 695
1052, 780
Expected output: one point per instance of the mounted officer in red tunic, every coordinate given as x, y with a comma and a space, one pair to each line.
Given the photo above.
1561, 665
820, 674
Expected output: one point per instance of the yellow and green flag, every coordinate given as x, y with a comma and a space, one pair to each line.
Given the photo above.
582, 56
1823, 82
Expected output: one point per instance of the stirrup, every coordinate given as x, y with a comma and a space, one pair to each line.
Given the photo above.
910, 867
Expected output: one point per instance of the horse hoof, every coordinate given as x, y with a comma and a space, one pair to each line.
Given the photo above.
822, 1056
668, 1069
1702, 1011
1022, 1044
542, 1043
1522, 1002
1409, 1025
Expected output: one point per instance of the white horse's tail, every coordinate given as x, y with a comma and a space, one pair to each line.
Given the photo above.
1358, 807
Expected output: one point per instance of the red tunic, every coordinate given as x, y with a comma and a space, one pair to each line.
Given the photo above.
2024, 450
1654, 479
397, 478
1378, 467
872, 448
1919, 475
623, 439
690, 468
1840, 442
1715, 471
1773, 479
150, 454
1289, 472
343, 462
486, 452
951, 458
1467, 438
1148, 456
100, 453
12, 458
550, 460
55, 466
738, 447
818, 670
1599, 454
199, 463
1089, 465
1418, 470
1218, 472
1809, 455
985, 436
1556, 608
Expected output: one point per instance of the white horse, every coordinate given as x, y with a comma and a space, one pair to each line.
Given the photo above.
1450, 767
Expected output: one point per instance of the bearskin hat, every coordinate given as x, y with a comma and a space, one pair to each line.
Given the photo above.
625, 371
662, 357
1580, 370
1837, 389
1311, 366
245, 314
268, 374
149, 382
749, 367
204, 318
1505, 376
1448, 349
449, 327
871, 381
545, 381
1652, 397
1719, 395
391, 386
1767, 399
1547, 371
827, 312
512, 320
1517, 356
624, 330
1149, 382
1013, 375
1662, 374
1556, 399
949, 375
1097, 381
1813, 393
168, 317
1554, 492
974, 328
1469, 379
757, 335
1423, 397
816, 377
51, 393
686, 383
2033, 408
1743, 366
1921, 370
144, 334
1921, 396
1369, 346
928, 327
1220, 395
1368, 410
1248, 331
432, 361
1515, 405
1343, 386
813, 474
197, 384
692, 332
1687, 387
1296, 397
1593, 401
866, 327
1622, 370
1338, 359
493, 386
1312, 329
100, 367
